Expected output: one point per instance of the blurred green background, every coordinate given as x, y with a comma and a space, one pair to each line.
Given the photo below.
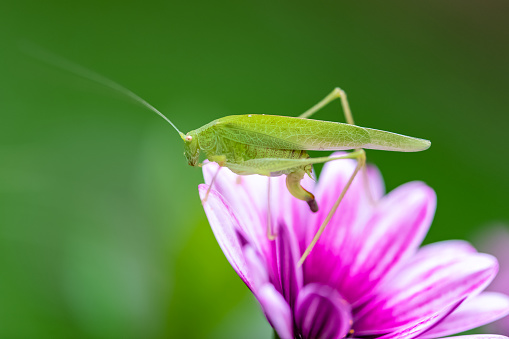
102, 234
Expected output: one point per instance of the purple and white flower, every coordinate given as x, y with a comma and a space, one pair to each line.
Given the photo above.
366, 277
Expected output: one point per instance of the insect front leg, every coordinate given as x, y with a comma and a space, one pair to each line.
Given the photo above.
221, 161
337, 93
204, 200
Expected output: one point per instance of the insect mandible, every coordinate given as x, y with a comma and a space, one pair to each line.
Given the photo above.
272, 145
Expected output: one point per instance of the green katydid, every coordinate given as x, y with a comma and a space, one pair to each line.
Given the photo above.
271, 145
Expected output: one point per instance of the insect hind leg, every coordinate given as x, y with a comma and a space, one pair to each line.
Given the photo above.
270, 235
337, 93
361, 162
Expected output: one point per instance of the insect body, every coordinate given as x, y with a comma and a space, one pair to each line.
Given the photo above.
271, 145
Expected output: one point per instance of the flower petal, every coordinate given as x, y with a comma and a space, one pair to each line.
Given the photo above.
276, 310
413, 330
321, 312
448, 248
495, 241
285, 206
290, 274
475, 312
330, 260
392, 235
244, 198
353, 207
478, 336
256, 268
422, 287
225, 226
248, 197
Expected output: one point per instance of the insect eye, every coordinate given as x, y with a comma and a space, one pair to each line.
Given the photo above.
189, 138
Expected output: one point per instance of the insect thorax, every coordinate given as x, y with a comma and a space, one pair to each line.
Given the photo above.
237, 153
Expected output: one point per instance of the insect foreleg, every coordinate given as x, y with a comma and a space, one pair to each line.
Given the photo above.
361, 161
204, 200
220, 159
337, 93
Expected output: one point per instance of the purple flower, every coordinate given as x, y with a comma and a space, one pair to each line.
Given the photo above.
366, 276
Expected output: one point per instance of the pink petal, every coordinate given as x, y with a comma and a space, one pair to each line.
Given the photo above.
495, 241
413, 330
286, 207
225, 226
276, 310
256, 268
475, 312
321, 312
478, 336
244, 199
423, 287
391, 235
352, 209
290, 274
335, 251
454, 248
248, 198
333, 169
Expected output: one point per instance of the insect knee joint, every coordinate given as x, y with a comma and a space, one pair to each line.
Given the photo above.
338, 92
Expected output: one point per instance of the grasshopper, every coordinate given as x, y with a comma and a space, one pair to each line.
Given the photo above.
272, 145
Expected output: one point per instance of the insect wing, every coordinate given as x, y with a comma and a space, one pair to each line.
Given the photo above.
282, 132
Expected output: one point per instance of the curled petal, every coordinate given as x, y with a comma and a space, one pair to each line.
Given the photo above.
225, 226
475, 312
276, 310
321, 312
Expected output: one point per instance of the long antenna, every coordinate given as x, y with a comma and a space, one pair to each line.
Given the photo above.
79, 70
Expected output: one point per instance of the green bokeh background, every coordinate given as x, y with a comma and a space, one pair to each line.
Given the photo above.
102, 234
